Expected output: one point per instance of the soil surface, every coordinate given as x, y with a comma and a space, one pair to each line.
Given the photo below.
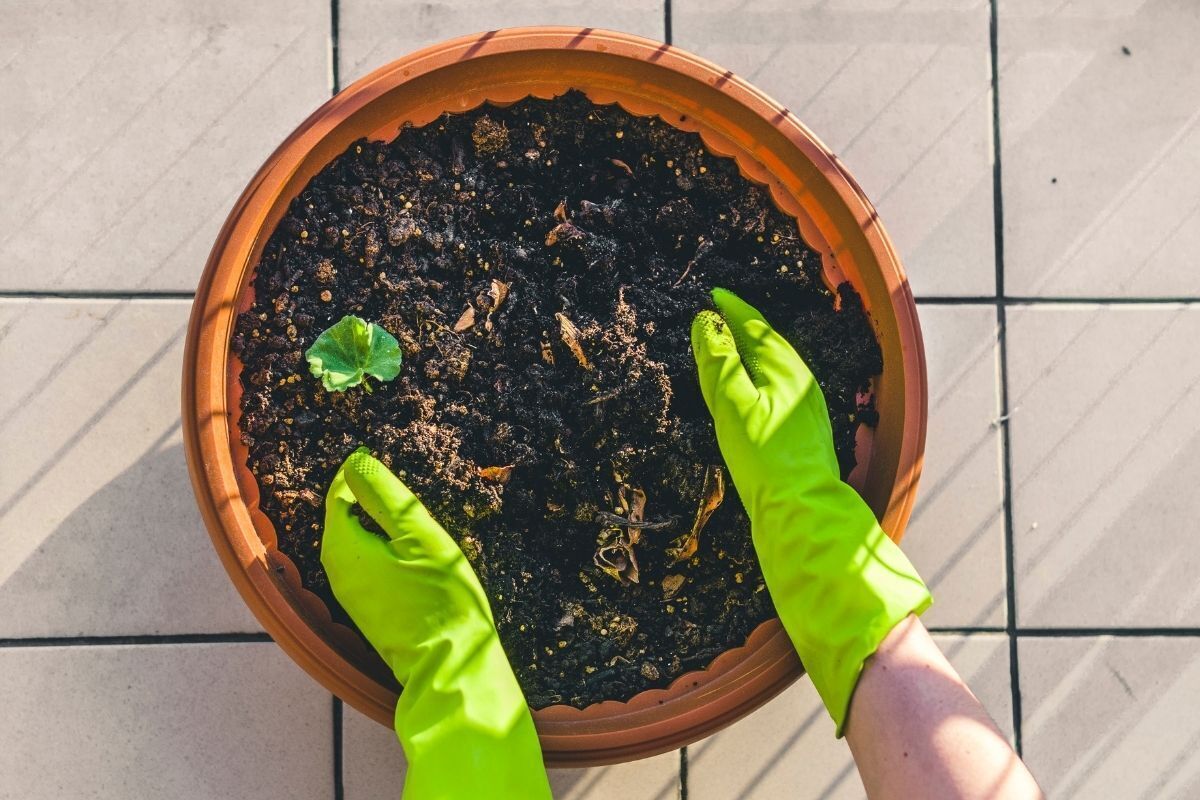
540, 265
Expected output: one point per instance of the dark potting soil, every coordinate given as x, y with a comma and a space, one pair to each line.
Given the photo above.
540, 265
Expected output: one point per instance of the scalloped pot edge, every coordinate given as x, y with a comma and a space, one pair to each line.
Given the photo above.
646, 78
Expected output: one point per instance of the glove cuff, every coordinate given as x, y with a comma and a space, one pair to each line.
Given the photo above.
466, 729
839, 584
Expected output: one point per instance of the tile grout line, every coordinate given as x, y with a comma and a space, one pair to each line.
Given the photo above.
259, 638
93, 294
1013, 300
683, 753
336, 731
339, 791
1014, 667
1010, 569
1116, 633
150, 639
1069, 632
683, 773
335, 77
965, 300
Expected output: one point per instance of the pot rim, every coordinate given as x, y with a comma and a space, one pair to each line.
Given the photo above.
655, 720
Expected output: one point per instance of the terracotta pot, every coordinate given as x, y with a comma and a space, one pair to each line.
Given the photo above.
770, 145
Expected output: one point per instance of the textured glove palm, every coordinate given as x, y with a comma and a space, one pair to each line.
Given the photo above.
838, 582
462, 718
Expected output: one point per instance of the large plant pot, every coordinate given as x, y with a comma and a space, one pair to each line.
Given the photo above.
770, 145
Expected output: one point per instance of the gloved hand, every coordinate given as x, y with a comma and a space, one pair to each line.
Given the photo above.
462, 719
839, 583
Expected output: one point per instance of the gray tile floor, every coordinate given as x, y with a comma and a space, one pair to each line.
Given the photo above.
1036, 162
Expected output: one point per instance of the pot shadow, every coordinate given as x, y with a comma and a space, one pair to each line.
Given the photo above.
374, 759
131, 559
955, 535
655, 778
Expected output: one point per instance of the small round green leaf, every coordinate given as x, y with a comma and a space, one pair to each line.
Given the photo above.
343, 355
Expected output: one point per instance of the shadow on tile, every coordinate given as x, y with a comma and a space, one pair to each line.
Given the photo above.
901, 94
1103, 474
1098, 203
1112, 717
133, 558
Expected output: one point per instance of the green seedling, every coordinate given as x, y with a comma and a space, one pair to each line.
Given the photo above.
350, 350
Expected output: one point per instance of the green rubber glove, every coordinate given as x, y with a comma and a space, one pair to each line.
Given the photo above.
839, 583
462, 719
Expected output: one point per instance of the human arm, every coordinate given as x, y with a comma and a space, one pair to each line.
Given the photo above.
461, 718
916, 730
841, 587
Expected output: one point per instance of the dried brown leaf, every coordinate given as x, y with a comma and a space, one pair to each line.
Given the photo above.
623, 499
498, 293
615, 554
496, 474
602, 398
466, 320
564, 231
570, 337
637, 508
615, 557
711, 496
560, 213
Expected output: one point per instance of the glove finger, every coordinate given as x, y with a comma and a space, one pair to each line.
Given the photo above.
392, 504
724, 382
343, 532
769, 359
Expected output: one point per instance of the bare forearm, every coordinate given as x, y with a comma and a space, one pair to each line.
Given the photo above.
916, 730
